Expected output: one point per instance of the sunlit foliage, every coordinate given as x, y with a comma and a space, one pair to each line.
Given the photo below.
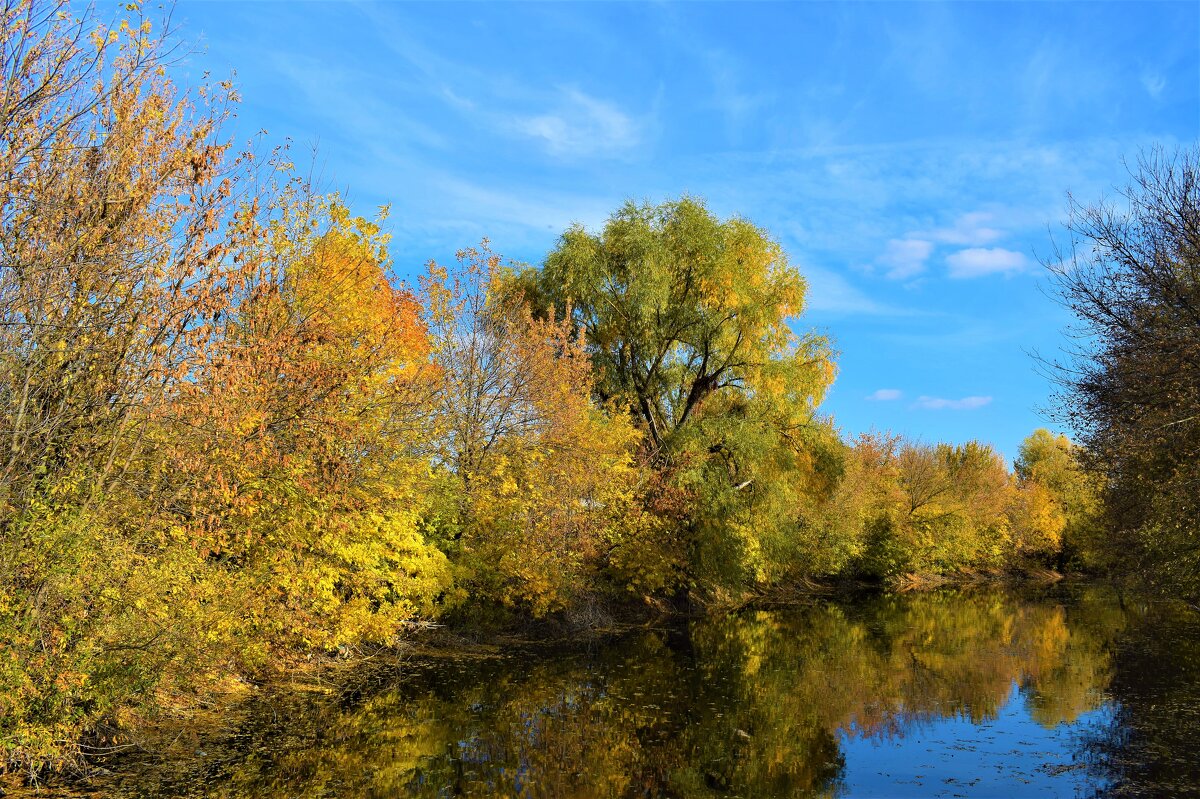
231, 442
208, 397
1063, 498
535, 481
296, 468
112, 203
915, 509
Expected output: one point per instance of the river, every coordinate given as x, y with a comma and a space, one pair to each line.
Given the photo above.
1059, 692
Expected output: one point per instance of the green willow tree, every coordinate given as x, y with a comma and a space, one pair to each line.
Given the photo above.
688, 320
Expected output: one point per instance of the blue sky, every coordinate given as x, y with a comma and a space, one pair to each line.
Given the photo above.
913, 159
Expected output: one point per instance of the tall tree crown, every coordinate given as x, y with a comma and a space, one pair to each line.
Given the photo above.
678, 306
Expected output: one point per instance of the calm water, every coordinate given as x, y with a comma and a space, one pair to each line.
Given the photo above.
1061, 692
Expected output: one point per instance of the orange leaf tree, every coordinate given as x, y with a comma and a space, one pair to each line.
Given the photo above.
300, 474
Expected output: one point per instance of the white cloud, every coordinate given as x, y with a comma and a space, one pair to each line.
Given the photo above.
581, 125
904, 258
1154, 83
525, 206
968, 230
941, 404
980, 261
885, 395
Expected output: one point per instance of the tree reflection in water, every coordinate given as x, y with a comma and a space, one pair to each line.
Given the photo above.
755, 704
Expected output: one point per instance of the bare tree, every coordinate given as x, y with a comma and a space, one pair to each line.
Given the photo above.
1131, 384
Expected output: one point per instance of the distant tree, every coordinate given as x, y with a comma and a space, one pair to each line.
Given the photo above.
1056, 493
957, 502
1131, 386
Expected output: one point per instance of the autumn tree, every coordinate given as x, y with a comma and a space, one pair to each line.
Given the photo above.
537, 479
1060, 500
207, 399
114, 200
112, 195
678, 306
1131, 388
956, 498
931, 509
110, 205
298, 470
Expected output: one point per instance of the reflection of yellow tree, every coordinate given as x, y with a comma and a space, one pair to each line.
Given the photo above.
1074, 682
751, 704
927, 656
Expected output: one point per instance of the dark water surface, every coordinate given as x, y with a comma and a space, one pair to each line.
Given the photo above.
1054, 692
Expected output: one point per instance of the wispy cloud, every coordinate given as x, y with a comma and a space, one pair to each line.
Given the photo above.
885, 395
581, 125
535, 207
829, 292
904, 258
942, 404
332, 93
736, 103
980, 261
969, 230
1154, 83
565, 120
728, 85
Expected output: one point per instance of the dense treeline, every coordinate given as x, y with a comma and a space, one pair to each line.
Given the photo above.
231, 439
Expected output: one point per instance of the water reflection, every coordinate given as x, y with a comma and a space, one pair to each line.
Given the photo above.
935, 694
1150, 746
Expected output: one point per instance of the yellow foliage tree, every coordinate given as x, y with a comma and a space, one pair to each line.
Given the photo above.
114, 201
539, 478
1065, 499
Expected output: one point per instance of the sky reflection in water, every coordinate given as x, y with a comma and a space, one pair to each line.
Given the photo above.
1008, 755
